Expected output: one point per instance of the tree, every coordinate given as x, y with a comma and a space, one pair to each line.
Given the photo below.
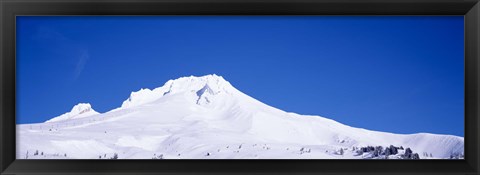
377, 151
341, 151
380, 150
115, 156
388, 151
359, 152
410, 155
408, 150
393, 150
157, 157
415, 156
302, 150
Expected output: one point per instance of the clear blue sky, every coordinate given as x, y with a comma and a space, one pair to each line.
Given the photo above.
395, 74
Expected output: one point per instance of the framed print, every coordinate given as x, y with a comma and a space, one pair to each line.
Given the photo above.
268, 87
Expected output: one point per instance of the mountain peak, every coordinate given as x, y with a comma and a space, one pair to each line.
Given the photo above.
211, 83
78, 111
81, 108
211, 79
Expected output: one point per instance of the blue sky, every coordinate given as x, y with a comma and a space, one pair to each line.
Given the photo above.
401, 74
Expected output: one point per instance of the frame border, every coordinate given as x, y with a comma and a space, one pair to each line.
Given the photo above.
470, 9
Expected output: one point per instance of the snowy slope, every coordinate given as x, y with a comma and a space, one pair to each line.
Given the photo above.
206, 117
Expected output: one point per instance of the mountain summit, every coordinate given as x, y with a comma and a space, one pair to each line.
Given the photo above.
206, 117
214, 84
80, 110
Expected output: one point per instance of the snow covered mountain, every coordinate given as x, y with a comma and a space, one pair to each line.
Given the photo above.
80, 110
206, 117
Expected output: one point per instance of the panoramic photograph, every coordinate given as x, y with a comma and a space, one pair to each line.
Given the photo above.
240, 87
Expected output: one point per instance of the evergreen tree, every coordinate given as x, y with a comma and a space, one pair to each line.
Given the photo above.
388, 151
115, 156
393, 150
415, 156
408, 150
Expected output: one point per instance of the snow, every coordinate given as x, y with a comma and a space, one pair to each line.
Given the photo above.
207, 118
80, 110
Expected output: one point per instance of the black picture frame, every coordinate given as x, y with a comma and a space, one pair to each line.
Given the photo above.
9, 9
